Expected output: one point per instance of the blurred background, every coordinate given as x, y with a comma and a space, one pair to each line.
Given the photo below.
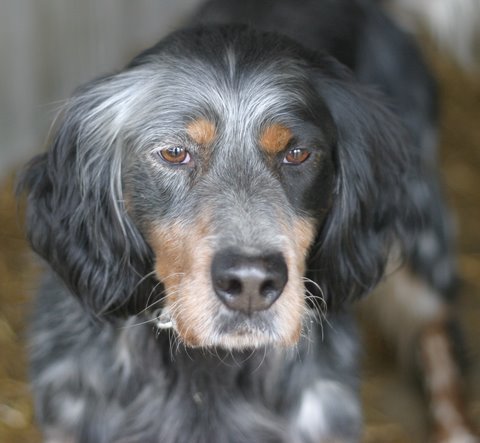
49, 47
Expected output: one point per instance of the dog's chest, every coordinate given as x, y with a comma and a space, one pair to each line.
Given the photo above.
131, 386
266, 396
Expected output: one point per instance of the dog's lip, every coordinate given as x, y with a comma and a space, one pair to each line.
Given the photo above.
162, 319
239, 324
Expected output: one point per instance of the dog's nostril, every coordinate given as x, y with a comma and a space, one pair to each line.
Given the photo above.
232, 286
248, 283
268, 288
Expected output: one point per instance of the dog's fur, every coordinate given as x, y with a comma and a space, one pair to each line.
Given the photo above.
130, 238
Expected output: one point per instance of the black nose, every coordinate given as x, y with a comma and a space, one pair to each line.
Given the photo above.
248, 283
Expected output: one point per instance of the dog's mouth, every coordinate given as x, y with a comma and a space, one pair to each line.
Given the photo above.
238, 330
231, 330
239, 324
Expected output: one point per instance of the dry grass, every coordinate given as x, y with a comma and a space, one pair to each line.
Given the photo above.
16, 281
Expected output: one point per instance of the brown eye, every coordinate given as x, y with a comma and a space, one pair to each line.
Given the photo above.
296, 156
176, 155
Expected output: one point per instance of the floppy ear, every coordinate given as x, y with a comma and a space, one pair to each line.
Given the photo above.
372, 210
76, 218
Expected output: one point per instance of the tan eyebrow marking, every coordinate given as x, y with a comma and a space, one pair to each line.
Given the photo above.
275, 138
201, 131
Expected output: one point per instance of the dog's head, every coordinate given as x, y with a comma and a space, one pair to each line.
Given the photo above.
211, 177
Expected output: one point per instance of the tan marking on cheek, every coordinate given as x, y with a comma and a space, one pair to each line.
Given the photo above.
182, 264
171, 260
304, 235
296, 333
196, 311
290, 307
275, 138
290, 332
187, 332
202, 131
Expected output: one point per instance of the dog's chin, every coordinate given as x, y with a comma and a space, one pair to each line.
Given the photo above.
236, 331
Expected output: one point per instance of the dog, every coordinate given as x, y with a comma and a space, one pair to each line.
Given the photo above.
208, 215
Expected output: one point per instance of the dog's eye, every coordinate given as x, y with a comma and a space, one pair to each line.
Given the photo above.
177, 155
296, 156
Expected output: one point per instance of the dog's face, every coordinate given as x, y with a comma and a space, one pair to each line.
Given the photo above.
215, 163
229, 194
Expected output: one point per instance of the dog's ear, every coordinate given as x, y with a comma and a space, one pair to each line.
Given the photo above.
76, 217
373, 211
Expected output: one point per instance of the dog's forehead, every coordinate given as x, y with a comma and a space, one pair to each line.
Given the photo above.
232, 94
241, 95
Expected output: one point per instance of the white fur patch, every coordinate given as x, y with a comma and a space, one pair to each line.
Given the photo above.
319, 406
